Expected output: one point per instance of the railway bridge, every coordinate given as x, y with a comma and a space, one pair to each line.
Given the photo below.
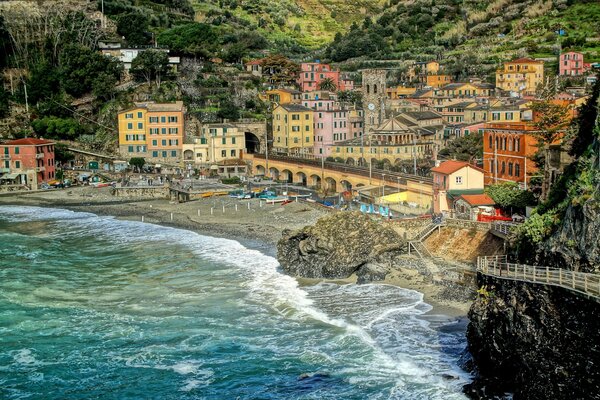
336, 177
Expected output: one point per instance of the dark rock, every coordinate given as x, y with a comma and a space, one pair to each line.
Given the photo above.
538, 342
371, 272
336, 246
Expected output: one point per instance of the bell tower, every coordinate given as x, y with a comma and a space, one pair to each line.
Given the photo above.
374, 96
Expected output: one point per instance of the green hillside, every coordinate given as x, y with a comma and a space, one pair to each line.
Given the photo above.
307, 23
473, 35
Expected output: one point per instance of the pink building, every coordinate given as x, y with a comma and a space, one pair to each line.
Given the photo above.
332, 124
572, 64
27, 161
311, 75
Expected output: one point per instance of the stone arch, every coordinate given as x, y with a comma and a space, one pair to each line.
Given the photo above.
375, 89
188, 155
260, 170
315, 181
362, 162
368, 88
252, 143
350, 161
301, 178
274, 172
346, 185
373, 160
287, 175
331, 184
360, 185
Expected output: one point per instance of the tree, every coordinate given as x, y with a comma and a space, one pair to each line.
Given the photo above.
465, 148
280, 69
103, 86
550, 119
508, 195
134, 26
137, 163
327, 84
228, 110
150, 65
62, 153
4, 105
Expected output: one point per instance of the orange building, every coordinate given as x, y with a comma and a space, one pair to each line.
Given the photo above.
27, 161
507, 151
437, 81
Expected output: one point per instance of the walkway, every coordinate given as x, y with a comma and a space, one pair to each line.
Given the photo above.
416, 244
580, 282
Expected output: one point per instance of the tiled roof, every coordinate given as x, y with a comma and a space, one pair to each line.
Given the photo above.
422, 115
451, 166
478, 199
295, 107
27, 142
524, 60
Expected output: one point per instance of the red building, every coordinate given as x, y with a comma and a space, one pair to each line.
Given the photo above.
27, 161
572, 64
507, 151
311, 75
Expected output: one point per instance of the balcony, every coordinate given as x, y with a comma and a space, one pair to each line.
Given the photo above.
4, 156
4, 170
40, 169
39, 155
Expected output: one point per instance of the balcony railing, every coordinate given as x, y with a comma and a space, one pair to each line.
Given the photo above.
40, 169
4, 156
39, 155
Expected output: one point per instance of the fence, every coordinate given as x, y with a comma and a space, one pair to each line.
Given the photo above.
581, 282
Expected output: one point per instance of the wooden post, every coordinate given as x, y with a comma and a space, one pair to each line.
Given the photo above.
248, 205
585, 282
560, 276
573, 276
171, 216
142, 218
211, 211
534, 273
547, 275
236, 208
198, 212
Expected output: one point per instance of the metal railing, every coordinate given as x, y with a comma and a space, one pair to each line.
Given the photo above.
581, 282
503, 227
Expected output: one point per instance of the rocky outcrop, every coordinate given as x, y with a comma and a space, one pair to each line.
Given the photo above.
575, 244
337, 246
538, 342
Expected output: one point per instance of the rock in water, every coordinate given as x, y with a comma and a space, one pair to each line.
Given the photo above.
336, 246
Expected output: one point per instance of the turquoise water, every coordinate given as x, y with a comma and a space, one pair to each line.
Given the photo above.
96, 308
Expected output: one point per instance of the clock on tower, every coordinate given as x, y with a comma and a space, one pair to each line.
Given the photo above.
373, 90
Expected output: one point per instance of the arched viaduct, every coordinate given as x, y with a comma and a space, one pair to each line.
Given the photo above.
311, 173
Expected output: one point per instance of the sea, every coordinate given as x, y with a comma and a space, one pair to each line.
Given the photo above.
93, 307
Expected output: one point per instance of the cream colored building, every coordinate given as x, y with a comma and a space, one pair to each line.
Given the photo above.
217, 142
454, 178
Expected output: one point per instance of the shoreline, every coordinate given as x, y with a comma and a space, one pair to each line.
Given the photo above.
255, 227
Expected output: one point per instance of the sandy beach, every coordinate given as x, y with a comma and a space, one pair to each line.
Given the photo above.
254, 224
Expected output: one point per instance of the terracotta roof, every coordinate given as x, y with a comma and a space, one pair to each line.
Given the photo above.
255, 62
27, 142
478, 199
451, 166
525, 60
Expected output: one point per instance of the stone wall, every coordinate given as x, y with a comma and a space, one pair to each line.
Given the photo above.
466, 224
159, 192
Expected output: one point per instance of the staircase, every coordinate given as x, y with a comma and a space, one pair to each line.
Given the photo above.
416, 244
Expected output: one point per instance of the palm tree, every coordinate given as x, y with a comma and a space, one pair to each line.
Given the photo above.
328, 84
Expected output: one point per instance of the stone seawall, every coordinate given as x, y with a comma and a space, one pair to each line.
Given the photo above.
158, 192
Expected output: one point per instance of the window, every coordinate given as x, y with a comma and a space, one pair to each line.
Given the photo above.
155, 142
307, 139
173, 131
163, 120
306, 116
295, 129
140, 125
295, 117
6, 164
459, 180
517, 170
173, 153
17, 164
224, 141
491, 143
16, 150
223, 153
163, 131
173, 119
130, 149
307, 128
129, 125
164, 142
153, 120
510, 169
232, 153
495, 116
129, 116
155, 154
503, 170
508, 116
164, 154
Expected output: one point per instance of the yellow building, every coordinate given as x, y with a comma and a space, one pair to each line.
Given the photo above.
217, 142
282, 96
153, 131
399, 92
523, 76
293, 130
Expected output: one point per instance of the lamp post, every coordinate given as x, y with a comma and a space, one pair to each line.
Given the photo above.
383, 185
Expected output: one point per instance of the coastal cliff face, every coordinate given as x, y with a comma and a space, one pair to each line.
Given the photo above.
538, 342
577, 241
337, 246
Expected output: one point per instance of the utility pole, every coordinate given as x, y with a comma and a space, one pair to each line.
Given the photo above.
266, 154
414, 155
102, 23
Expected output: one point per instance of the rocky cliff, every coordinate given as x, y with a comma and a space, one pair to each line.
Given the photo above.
538, 342
576, 243
337, 246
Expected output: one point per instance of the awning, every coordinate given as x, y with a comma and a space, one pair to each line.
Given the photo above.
10, 177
